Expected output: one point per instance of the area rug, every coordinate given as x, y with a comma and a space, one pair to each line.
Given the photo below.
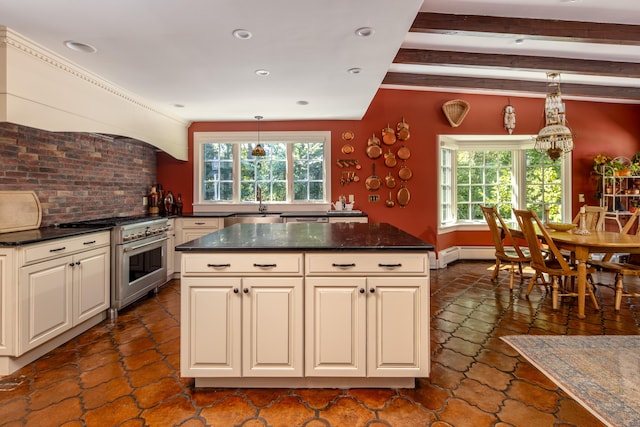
602, 373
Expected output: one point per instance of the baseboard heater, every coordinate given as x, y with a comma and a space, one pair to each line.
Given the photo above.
456, 253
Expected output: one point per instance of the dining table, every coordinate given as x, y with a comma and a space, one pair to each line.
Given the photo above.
583, 245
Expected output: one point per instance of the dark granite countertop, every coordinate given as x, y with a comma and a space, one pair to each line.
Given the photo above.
282, 214
207, 215
42, 234
321, 214
307, 237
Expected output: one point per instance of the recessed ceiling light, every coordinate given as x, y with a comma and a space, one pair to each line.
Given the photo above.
365, 32
242, 34
263, 73
302, 102
354, 70
178, 105
80, 47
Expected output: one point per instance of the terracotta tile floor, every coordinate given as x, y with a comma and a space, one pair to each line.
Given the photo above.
125, 372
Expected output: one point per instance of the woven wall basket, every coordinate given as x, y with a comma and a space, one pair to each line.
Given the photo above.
455, 111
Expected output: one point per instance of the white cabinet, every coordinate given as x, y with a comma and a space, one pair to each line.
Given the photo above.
171, 245
320, 319
51, 292
334, 219
45, 296
335, 327
368, 316
91, 283
57, 294
192, 228
187, 229
272, 326
211, 327
235, 324
397, 327
7, 302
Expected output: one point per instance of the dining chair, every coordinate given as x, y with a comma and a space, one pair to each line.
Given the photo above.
550, 261
507, 248
594, 218
630, 267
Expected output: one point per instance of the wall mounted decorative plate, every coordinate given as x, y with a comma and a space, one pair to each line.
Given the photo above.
347, 135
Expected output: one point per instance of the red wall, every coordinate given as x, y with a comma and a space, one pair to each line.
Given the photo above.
612, 129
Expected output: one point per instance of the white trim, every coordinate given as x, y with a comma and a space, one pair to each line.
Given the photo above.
66, 97
514, 143
470, 226
199, 138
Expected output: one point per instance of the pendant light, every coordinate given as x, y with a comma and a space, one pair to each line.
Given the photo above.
555, 138
258, 151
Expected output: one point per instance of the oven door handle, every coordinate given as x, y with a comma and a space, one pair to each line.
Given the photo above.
133, 248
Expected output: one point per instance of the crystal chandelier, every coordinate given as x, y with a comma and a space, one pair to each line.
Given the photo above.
258, 151
555, 138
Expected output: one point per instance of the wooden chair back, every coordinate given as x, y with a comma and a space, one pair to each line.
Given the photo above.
594, 218
535, 233
629, 226
500, 232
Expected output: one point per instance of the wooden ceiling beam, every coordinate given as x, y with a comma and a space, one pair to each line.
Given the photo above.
521, 62
453, 82
543, 29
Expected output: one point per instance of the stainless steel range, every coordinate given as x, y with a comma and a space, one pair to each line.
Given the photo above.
138, 256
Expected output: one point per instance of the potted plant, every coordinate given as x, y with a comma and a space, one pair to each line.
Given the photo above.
600, 162
620, 167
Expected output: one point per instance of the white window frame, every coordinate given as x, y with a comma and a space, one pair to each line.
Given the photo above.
203, 206
517, 143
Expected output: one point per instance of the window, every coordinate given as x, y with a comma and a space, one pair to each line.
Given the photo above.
293, 171
501, 171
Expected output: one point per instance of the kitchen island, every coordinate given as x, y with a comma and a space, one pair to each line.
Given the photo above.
305, 305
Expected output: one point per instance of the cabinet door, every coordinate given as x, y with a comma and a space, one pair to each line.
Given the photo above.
8, 321
171, 244
398, 327
91, 286
45, 295
272, 332
189, 235
335, 326
210, 327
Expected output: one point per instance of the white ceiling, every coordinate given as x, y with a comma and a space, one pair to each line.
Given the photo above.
183, 52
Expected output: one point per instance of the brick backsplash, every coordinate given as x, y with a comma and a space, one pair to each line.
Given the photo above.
77, 175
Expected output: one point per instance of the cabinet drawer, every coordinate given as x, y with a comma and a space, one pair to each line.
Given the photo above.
241, 263
334, 220
345, 263
42, 251
212, 223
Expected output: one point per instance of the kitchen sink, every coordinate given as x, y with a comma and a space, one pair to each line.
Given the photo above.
253, 218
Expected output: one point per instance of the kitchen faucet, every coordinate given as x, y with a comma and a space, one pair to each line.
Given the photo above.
262, 208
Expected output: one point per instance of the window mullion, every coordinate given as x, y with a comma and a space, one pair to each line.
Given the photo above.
520, 184
290, 173
237, 168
